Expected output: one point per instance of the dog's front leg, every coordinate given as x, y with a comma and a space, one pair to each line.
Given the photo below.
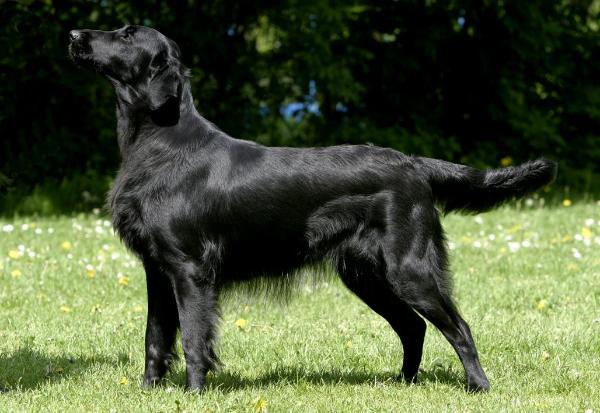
196, 298
162, 323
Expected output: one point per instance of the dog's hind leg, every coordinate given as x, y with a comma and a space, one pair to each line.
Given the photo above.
379, 296
444, 316
419, 276
161, 326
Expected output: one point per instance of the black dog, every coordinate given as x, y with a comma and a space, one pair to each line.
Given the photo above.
203, 210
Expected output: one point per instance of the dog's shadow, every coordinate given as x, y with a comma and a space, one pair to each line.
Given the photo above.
228, 381
27, 368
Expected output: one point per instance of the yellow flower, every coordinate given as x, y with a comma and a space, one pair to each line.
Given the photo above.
260, 405
123, 280
15, 273
96, 308
65, 309
241, 323
349, 344
567, 202
14, 254
506, 161
542, 304
586, 233
66, 245
90, 271
138, 308
545, 355
124, 381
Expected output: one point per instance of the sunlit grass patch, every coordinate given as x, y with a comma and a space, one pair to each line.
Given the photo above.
73, 310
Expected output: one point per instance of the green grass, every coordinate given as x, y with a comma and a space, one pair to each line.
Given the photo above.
71, 337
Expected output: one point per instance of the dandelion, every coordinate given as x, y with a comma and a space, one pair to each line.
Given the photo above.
66, 245
241, 323
506, 161
260, 405
138, 308
14, 254
96, 308
567, 202
586, 233
124, 381
542, 305
90, 271
349, 344
16, 273
123, 280
65, 309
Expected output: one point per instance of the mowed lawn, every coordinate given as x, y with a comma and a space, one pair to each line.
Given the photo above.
527, 279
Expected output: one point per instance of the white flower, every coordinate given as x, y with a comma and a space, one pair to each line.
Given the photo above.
452, 246
21, 247
477, 244
38, 231
479, 220
24, 227
526, 243
589, 222
514, 246
529, 202
578, 237
114, 256
491, 237
96, 211
7, 228
576, 253
99, 230
50, 230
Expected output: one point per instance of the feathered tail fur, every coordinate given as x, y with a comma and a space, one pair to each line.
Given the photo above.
462, 188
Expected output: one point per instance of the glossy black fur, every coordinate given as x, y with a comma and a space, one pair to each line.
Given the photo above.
203, 210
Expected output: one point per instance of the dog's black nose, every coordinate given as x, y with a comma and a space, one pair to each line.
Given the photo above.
75, 35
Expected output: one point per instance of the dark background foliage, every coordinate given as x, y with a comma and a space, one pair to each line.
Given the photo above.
469, 81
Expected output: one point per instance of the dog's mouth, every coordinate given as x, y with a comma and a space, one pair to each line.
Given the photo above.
82, 55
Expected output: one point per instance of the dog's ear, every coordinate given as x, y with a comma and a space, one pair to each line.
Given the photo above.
164, 89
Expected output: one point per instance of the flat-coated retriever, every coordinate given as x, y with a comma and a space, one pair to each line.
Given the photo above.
203, 210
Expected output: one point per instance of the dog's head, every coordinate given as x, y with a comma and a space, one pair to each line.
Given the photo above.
141, 62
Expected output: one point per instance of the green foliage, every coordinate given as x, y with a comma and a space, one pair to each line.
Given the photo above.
469, 81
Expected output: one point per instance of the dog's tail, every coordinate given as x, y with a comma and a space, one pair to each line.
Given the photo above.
462, 188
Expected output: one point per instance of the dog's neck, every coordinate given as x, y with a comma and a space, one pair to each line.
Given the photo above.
135, 122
